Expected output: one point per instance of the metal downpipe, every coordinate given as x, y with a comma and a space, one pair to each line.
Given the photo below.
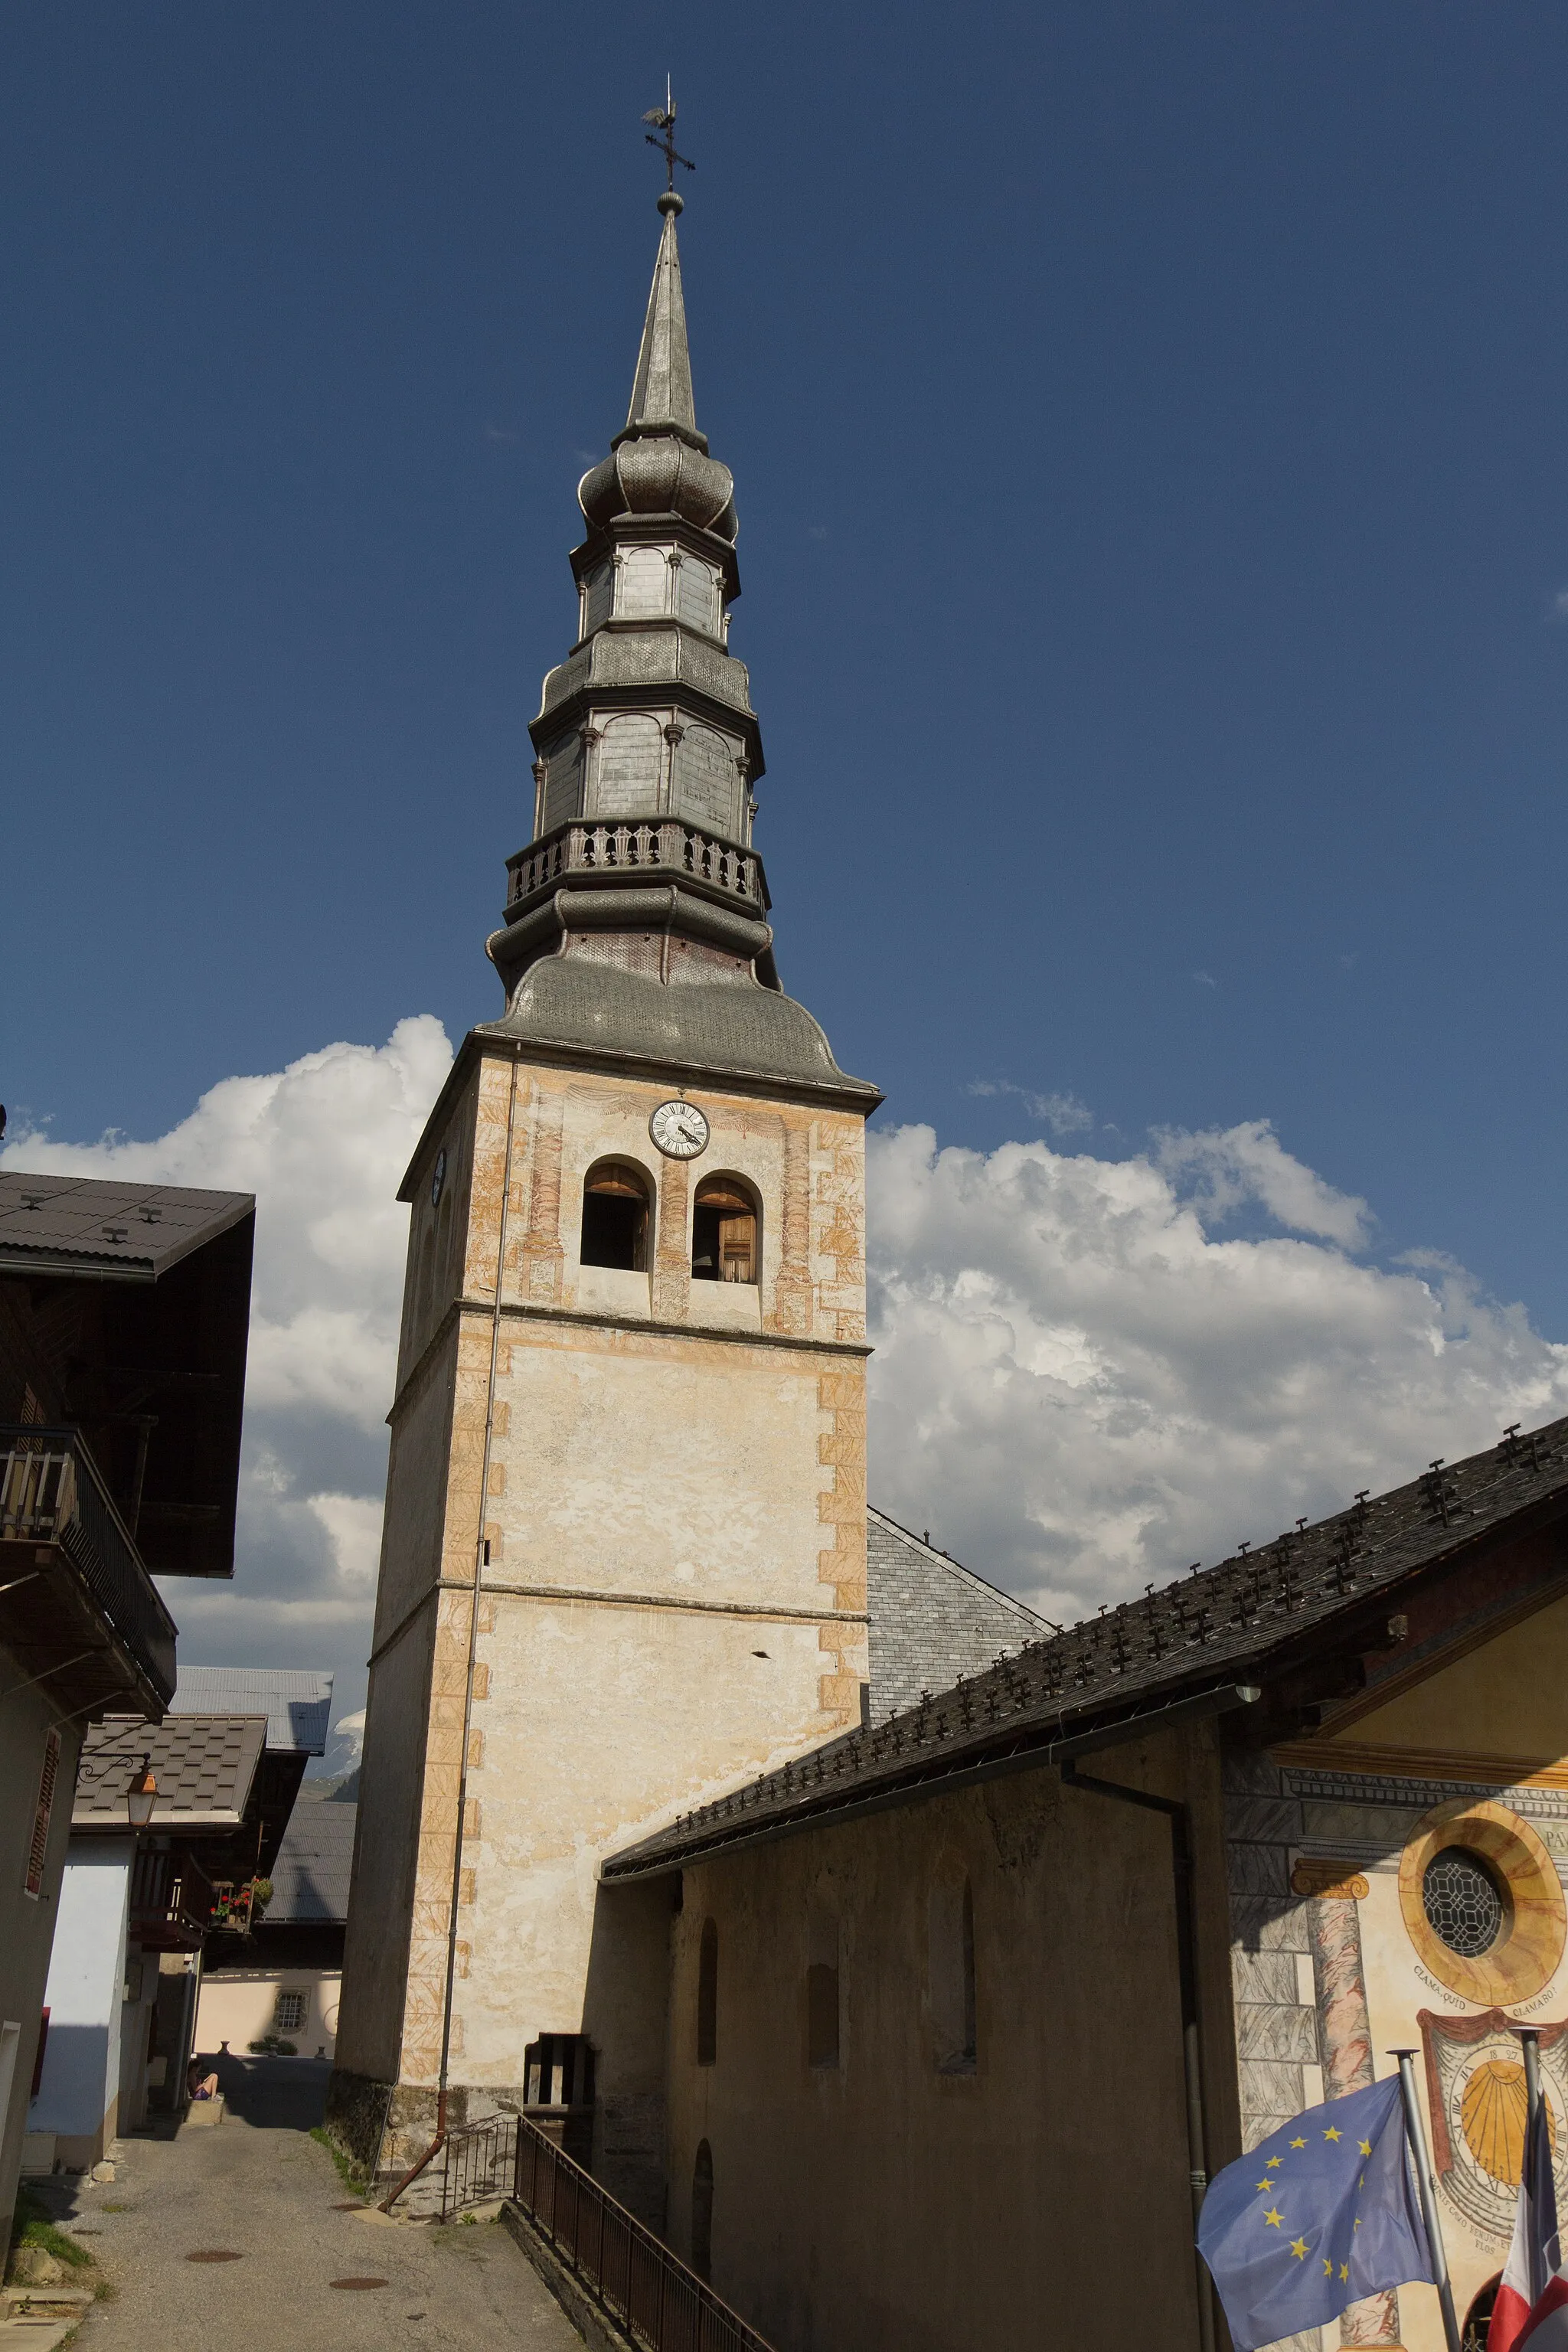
1180, 1819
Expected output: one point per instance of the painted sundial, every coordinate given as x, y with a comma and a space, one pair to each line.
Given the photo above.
1483, 2101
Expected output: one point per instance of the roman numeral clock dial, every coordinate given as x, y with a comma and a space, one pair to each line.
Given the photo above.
679, 1130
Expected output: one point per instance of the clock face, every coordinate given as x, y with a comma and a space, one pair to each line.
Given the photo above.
679, 1130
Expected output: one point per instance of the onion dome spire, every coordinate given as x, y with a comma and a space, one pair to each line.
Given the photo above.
635, 929
658, 462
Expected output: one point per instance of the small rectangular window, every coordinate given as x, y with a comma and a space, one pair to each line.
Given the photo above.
290, 2012
39, 1848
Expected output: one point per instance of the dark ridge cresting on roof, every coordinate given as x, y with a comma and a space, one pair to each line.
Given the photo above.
1201, 1628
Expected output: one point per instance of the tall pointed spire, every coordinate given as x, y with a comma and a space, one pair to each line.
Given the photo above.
661, 389
635, 919
658, 461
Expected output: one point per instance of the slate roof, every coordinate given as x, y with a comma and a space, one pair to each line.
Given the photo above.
1197, 1641
932, 1619
311, 1875
204, 1765
298, 1705
90, 1224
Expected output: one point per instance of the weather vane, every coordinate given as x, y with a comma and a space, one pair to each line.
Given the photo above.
663, 120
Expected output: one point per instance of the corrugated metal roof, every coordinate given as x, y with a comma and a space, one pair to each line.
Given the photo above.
204, 1765
310, 1875
298, 1704
90, 1224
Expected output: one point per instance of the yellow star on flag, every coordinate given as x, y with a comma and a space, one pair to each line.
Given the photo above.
1365, 2148
1333, 2134
1299, 2248
1273, 2220
1275, 2161
1344, 2272
1328, 2267
1266, 2184
1298, 2143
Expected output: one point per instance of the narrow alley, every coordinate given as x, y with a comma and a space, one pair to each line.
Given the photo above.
246, 2236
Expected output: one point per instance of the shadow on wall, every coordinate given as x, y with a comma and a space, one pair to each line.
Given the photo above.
74, 2092
624, 2009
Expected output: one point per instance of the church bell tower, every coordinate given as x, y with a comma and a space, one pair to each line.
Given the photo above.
624, 1558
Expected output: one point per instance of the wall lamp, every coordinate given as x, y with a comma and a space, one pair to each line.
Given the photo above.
141, 1795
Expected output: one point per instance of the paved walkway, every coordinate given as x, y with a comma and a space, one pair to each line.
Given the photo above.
265, 2191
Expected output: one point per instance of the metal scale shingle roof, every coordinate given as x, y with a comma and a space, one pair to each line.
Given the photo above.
1199, 1633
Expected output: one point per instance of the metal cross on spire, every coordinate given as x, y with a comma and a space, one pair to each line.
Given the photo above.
663, 120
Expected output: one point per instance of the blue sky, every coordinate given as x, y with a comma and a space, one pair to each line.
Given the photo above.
1148, 425
1149, 432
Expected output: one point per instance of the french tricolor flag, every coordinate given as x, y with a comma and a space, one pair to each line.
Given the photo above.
1532, 2306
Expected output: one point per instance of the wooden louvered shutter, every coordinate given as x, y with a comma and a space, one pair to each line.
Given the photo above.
738, 1248
37, 1852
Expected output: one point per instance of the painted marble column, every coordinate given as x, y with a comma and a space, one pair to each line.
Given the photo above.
1345, 2028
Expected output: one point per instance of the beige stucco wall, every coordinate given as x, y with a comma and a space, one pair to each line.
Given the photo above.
883, 2202
397, 1776
240, 2006
675, 1595
1505, 1699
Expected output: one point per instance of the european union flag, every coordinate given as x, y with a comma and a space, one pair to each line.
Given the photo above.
1322, 2214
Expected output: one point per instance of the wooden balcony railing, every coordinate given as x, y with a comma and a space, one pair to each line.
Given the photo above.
50, 1492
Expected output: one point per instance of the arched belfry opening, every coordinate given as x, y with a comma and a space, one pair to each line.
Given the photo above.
615, 1205
726, 1232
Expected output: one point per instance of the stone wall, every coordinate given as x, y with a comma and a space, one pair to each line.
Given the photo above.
675, 1594
904, 2196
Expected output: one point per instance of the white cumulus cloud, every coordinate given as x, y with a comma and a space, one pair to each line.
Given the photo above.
1229, 1167
1082, 1380
324, 1145
1079, 1387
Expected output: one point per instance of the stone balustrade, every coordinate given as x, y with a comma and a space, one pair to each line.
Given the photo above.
668, 848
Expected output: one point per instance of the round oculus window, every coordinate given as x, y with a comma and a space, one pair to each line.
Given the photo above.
1463, 1900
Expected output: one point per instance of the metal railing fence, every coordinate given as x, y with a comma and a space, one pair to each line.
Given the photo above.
480, 2162
647, 2290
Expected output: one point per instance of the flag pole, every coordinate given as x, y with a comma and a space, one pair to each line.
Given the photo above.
1415, 2133
1531, 2037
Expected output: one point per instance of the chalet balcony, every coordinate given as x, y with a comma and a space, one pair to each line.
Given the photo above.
666, 851
77, 1604
171, 1901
